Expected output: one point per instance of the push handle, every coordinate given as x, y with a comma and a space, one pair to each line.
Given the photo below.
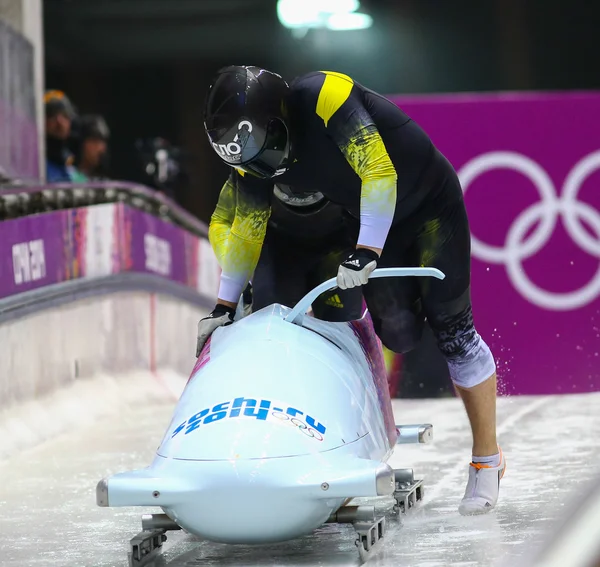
297, 313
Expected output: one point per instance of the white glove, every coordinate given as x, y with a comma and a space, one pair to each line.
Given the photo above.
356, 270
220, 317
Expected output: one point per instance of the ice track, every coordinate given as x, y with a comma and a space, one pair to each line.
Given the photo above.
48, 515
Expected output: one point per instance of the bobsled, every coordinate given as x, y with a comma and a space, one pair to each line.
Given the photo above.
284, 420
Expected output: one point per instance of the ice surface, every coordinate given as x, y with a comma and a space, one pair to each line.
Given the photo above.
48, 514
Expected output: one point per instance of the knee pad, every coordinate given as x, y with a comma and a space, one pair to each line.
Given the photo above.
473, 364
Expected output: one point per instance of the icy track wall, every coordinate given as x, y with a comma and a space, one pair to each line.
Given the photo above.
530, 168
63, 363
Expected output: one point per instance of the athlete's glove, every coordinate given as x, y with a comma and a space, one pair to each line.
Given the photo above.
357, 268
220, 317
247, 301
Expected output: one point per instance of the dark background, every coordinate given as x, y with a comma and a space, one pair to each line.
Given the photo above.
146, 64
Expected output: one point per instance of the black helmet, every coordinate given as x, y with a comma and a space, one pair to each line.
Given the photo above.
244, 119
94, 127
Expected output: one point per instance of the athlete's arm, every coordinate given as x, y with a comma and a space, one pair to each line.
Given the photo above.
221, 220
240, 249
352, 128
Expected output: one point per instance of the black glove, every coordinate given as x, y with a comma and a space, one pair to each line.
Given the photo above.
356, 269
220, 317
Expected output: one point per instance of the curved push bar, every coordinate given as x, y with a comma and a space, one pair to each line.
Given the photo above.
297, 313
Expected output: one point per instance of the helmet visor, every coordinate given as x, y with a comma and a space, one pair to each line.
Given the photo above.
273, 156
267, 160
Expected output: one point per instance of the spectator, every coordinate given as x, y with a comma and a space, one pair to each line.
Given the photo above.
91, 151
59, 119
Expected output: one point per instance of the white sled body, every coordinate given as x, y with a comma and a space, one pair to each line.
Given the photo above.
283, 420
278, 425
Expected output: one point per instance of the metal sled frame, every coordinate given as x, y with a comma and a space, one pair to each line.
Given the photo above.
371, 531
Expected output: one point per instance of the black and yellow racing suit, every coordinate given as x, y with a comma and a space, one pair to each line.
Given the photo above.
365, 154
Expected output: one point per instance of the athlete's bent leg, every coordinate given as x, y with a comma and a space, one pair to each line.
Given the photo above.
473, 372
444, 243
396, 311
471, 366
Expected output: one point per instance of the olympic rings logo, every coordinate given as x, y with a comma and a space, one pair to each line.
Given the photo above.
294, 421
551, 207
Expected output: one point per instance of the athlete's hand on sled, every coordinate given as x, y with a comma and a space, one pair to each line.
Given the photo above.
221, 316
356, 269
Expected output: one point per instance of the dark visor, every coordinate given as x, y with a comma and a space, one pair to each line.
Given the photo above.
272, 156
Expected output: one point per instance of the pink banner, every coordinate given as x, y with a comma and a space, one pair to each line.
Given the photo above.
530, 169
34, 252
98, 241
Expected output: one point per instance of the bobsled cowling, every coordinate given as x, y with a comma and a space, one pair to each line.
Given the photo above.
283, 420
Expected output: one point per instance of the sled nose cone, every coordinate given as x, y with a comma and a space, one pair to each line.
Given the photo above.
272, 500
252, 501
252, 516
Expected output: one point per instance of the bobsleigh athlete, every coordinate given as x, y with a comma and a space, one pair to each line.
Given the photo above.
326, 133
307, 238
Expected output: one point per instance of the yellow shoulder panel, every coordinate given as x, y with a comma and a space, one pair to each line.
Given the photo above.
334, 92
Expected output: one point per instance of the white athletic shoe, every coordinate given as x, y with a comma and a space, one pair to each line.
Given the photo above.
483, 486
